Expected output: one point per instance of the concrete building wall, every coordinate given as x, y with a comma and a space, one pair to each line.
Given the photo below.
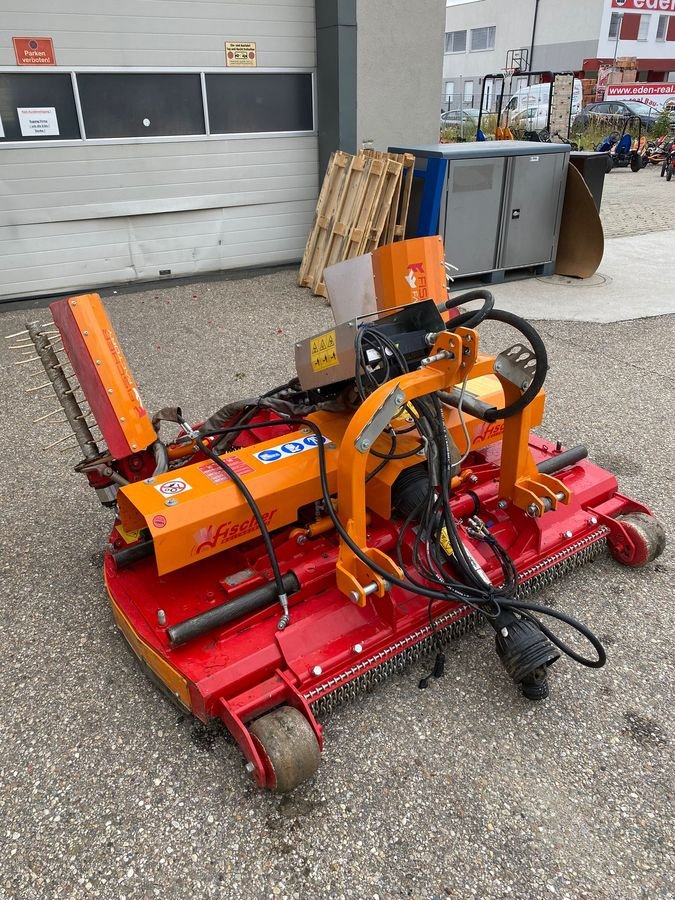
398, 71
566, 34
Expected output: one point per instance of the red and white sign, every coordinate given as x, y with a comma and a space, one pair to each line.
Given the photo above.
655, 95
30, 51
173, 487
662, 6
217, 475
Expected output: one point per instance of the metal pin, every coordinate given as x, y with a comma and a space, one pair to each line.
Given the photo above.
20, 362
60, 441
10, 337
39, 387
27, 346
48, 415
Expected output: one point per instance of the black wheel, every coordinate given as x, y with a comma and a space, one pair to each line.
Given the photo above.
648, 537
635, 163
609, 165
664, 166
669, 172
286, 740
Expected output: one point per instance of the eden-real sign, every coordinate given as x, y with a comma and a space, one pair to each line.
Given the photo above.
662, 6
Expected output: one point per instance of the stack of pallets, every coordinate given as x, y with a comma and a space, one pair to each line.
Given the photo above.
363, 204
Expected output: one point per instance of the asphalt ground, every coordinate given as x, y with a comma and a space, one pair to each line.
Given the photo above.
463, 790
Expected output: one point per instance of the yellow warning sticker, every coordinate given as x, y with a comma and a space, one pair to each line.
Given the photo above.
323, 351
445, 542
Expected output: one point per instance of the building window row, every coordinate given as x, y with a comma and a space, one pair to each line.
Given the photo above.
480, 39
113, 105
635, 27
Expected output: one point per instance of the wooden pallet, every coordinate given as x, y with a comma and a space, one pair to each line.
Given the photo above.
363, 203
325, 210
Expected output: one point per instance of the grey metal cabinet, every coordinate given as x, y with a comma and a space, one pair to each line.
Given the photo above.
531, 210
497, 204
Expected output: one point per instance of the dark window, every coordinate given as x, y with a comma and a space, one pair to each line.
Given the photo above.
47, 103
455, 41
140, 105
249, 103
483, 38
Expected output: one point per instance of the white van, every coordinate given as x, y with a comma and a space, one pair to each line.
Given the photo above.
528, 106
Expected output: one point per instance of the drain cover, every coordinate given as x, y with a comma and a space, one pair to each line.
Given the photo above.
566, 281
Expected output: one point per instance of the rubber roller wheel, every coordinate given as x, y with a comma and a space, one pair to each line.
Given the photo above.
647, 535
289, 745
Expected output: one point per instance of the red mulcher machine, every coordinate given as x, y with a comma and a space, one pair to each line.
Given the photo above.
297, 547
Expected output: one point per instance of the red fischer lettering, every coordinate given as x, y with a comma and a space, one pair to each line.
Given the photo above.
488, 432
210, 537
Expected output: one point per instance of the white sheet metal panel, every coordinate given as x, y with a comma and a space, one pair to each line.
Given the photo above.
81, 215
157, 33
88, 181
78, 255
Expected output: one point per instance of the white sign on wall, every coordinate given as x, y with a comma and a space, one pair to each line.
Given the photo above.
2, 130
655, 95
37, 121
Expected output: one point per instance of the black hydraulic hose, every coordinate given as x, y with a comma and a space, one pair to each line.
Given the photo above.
248, 496
472, 318
539, 349
506, 602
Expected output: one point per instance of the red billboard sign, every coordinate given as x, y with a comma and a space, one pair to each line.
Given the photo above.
30, 51
662, 6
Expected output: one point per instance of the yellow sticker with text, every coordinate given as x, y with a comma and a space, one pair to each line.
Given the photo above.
323, 351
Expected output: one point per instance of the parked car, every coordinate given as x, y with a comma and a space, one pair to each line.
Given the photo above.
455, 118
618, 110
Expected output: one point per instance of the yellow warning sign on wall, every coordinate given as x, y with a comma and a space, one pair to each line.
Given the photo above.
324, 352
240, 53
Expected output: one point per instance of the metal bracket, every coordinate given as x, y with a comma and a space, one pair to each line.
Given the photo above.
517, 364
373, 429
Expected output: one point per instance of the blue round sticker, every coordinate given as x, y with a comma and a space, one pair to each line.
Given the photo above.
311, 441
269, 455
292, 447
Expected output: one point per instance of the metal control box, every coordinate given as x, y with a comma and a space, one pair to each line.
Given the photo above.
330, 357
496, 204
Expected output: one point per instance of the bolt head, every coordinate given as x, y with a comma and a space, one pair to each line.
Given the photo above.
567, 534
365, 443
161, 617
473, 479
523, 385
353, 595
149, 480
533, 510
593, 520
110, 390
317, 670
170, 502
502, 504
358, 648
250, 768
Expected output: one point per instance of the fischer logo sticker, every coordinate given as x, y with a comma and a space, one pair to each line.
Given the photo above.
159, 521
290, 448
211, 537
417, 281
173, 487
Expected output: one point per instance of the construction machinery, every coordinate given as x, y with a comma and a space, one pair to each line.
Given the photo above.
299, 546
